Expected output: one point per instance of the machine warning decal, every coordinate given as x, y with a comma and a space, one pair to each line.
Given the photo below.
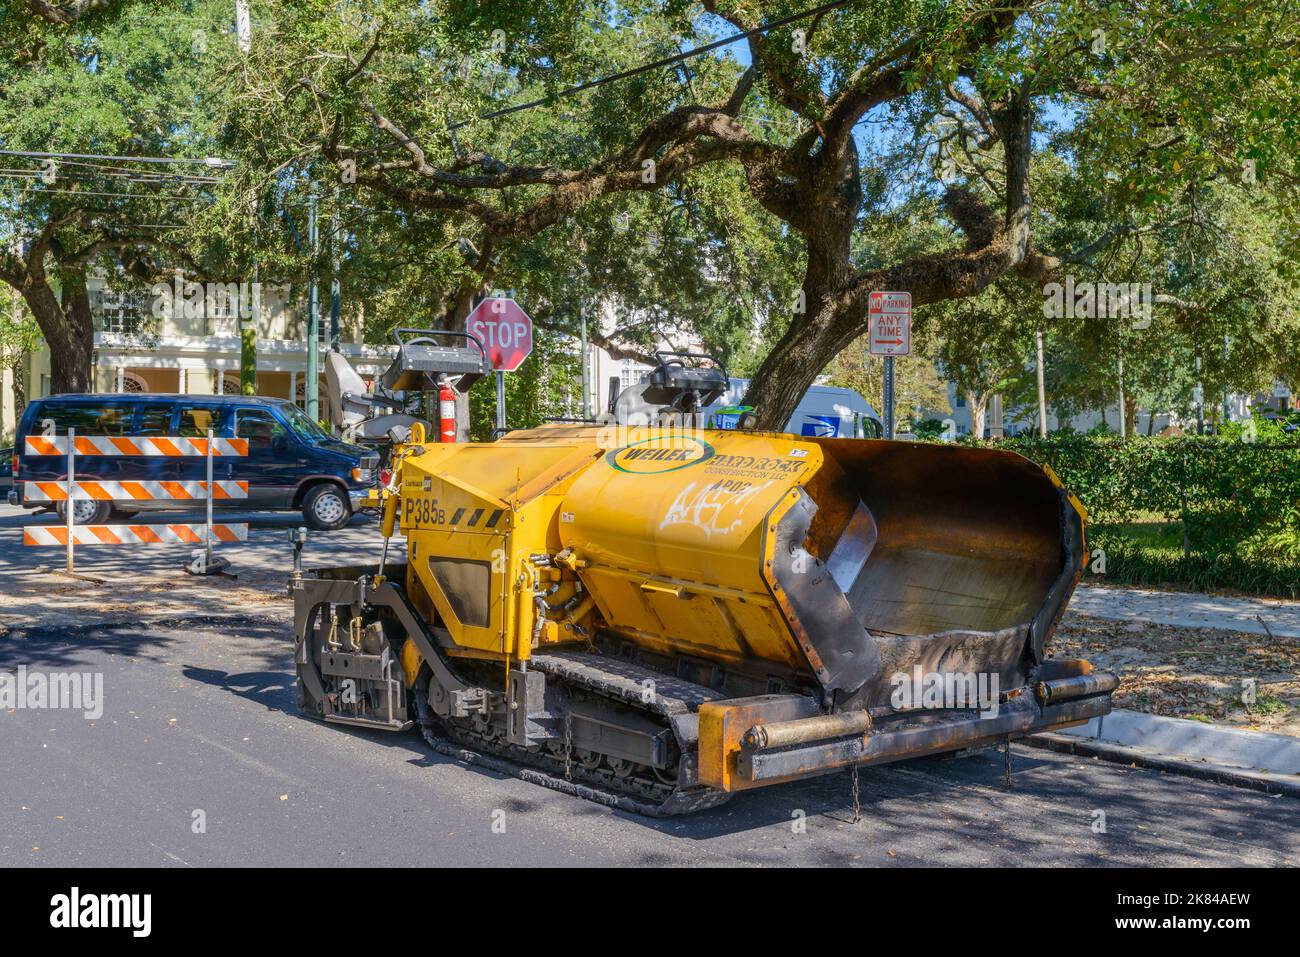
425, 512
660, 454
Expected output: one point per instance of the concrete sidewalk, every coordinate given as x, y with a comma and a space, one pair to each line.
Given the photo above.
1189, 609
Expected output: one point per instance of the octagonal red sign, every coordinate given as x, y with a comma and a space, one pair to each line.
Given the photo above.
505, 330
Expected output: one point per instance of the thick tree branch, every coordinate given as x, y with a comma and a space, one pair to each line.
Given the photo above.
610, 343
68, 12
785, 85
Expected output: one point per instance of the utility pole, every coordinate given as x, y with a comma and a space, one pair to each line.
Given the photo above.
1123, 416
1042, 391
1119, 379
248, 332
1227, 403
1198, 397
313, 317
243, 26
586, 364
334, 277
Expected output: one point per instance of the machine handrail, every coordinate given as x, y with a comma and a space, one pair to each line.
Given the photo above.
426, 334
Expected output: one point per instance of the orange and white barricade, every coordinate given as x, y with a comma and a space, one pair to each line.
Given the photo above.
188, 534
73, 489
134, 445
143, 491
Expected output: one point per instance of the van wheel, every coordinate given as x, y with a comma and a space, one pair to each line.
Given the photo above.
326, 508
85, 512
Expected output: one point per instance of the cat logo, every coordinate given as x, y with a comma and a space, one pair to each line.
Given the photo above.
660, 454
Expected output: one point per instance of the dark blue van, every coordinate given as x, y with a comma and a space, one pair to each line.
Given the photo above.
292, 463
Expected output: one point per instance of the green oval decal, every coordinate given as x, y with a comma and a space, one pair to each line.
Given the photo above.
660, 454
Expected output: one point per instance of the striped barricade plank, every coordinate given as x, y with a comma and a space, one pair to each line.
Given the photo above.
166, 446
105, 491
188, 534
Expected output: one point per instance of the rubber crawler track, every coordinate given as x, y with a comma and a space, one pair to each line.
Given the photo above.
608, 677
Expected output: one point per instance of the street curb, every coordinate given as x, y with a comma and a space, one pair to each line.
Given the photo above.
1188, 767
1234, 748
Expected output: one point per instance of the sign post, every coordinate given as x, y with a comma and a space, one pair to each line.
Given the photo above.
889, 397
501, 400
71, 508
890, 317
207, 528
506, 332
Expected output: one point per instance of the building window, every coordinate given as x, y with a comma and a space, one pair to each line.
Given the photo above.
629, 372
124, 313
222, 300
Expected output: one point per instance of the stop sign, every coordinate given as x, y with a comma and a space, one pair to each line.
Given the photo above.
505, 331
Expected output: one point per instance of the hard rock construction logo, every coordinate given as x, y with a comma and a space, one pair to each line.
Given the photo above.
661, 454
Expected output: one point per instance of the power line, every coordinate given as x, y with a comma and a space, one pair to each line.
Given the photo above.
657, 64
139, 174
84, 192
214, 162
83, 178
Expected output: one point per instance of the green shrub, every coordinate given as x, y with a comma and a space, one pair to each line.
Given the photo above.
928, 430
1206, 511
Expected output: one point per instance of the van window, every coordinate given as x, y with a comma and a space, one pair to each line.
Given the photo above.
258, 426
195, 421
86, 418
156, 420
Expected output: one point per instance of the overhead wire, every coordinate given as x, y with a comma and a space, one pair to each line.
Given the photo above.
656, 64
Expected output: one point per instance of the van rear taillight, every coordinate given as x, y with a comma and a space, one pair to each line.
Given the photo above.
14, 470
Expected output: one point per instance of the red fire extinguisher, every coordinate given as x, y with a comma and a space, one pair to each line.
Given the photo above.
447, 413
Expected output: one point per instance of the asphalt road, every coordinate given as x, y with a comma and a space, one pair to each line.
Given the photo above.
199, 717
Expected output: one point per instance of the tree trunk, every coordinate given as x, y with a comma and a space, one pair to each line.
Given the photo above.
831, 195
68, 332
1130, 414
977, 404
18, 371
788, 371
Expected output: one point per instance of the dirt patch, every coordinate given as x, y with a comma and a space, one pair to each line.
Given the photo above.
1195, 673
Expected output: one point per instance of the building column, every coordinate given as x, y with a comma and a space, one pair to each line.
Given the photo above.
121, 380
180, 379
293, 386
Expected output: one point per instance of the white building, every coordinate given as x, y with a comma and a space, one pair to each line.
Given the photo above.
198, 351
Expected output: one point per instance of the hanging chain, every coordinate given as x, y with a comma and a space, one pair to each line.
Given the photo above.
857, 797
568, 745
